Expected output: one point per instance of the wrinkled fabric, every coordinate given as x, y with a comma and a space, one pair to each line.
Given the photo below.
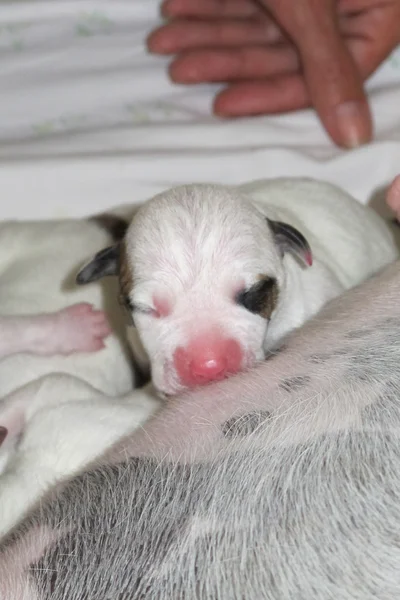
89, 119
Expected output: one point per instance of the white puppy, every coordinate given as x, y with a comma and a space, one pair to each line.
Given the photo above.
215, 276
65, 392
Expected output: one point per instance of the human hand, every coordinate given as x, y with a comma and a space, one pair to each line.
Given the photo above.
393, 197
280, 55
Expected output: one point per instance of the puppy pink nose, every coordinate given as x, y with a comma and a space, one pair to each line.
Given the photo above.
208, 368
204, 361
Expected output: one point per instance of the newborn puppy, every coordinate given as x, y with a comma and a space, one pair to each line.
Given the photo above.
215, 276
59, 379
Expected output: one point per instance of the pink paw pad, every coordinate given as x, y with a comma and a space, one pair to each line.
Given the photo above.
81, 328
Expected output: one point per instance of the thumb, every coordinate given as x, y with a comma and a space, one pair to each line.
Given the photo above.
334, 84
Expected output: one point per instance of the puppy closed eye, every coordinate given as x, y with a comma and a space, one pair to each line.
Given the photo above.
133, 308
261, 298
146, 310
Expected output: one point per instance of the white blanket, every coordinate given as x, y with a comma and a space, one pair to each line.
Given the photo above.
89, 119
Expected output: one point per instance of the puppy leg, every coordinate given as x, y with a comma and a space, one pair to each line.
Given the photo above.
62, 437
20, 406
77, 328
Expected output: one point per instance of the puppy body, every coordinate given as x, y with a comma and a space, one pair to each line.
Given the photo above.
349, 243
58, 411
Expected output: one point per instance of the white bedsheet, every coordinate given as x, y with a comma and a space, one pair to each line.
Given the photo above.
88, 119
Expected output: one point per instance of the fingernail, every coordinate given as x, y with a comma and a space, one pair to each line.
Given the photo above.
354, 123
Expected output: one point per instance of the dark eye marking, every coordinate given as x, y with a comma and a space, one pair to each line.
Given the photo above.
261, 298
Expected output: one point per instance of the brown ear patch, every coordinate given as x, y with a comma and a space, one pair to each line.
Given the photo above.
115, 226
261, 298
268, 300
125, 272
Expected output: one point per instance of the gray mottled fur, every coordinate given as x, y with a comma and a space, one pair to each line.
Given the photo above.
306, 506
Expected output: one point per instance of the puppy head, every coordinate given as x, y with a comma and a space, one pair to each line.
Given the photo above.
201, 272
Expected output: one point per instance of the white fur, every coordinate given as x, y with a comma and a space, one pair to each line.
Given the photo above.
304, 505
195, 246
68, 408
68, 424
38, 263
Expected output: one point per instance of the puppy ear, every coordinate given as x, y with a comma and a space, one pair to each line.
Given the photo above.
289, 239
103, 264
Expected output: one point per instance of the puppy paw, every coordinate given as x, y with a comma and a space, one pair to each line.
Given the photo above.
81, 328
